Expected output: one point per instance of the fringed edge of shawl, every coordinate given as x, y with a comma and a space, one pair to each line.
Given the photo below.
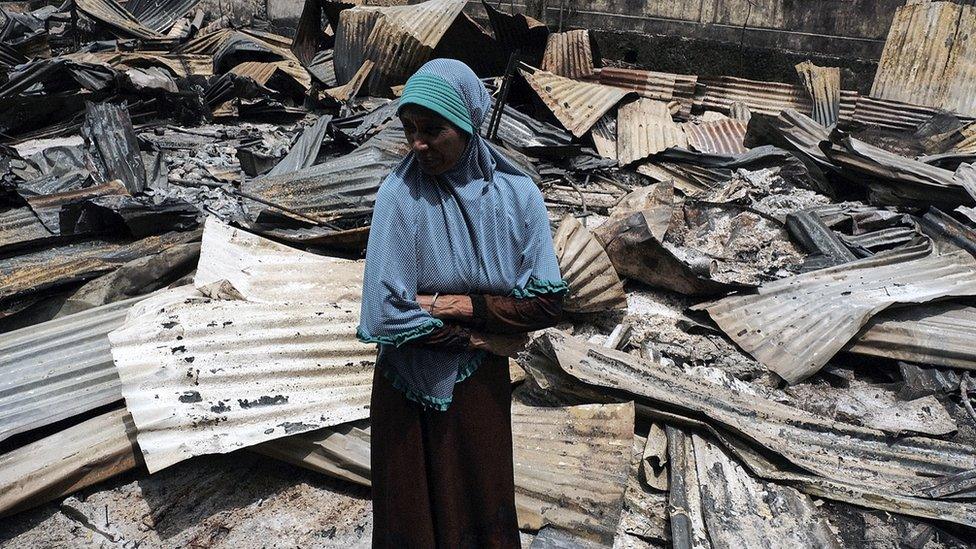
536, 288
427, 401
402, 337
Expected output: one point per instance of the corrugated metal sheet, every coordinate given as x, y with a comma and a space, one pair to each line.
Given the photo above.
569, 54
111, 140
930, 57
65, 462
941, 334
823, 85
660, 86
577, 105
111, 13
841, 461
604, 135
349, 90
209, 376
526, 133
341, 188
39, 271
341, 452
571, 466
48, 206
763, 97
19, 227
518, 32
891, 114
717, 137
593, 282
795, 325
59, 368
264, 270
261, 72
181, 65
159, 15
645, 127
399, 39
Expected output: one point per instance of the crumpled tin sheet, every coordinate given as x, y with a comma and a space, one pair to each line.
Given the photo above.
209, 376
593, 282
645, 127
577, 105
831, 459
823, 85
569, 54
796, 324
723, 137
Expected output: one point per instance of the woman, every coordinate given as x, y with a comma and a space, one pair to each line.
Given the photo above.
459, 267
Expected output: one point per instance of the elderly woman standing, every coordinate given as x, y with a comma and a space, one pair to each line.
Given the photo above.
459, 267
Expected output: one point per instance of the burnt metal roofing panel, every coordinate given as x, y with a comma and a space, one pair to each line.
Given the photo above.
518, 32
593, 282
577, 105
571, 466
841, 461
888, 113
717, 137
159, 15
644, 128
351, 40
211, 376
59, 368
764, 97
20, 227
65, 462
796, 324
930, 57
111, 13
109, 136
48, 206
569, 54
264, 270
823, 85
941, 334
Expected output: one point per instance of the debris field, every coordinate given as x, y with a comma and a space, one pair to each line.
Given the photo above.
769, 334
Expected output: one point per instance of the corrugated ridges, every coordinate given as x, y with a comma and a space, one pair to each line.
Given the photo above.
807, 319
645, 127
159, 15
569, 54
892, 114
115, 16
59, 368
823, 85
577, 105
68, 461
19, 227
928, 57
660, 86
572, 465
351, 38
941, 334
206, 376
763, 97
717, 137
593, 282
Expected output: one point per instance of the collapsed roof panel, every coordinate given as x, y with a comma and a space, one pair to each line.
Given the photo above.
593, 282
577, 105
570, 54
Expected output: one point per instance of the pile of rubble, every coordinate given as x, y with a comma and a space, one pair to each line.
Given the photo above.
771, 314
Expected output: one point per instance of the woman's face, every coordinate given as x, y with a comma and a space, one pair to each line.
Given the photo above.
437, 143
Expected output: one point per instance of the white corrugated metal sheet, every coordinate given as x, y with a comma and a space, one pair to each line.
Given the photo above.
264, 270
645, 127
593, 282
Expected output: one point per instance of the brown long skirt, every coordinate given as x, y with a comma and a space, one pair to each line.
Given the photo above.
445, 479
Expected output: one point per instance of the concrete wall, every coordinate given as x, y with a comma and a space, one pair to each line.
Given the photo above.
846, 28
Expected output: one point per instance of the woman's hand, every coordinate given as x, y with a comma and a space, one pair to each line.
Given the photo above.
499, 344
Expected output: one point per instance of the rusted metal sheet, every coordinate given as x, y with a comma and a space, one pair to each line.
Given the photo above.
887, 113
398, 39
111, 13
350, 89
262, 72
571, 466
940, 334
823, 86
195, 374
763, 97
795, 325
56, 267
344, 187
604, 134
77, 457
181, 65
644, 128
570, 54
660, 86
159, 15
593, 282
264, 270
717, 137
930, 57
59, 368
836, 460
577, 105
19, 228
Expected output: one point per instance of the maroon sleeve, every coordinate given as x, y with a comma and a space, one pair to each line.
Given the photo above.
449, 336
512, 315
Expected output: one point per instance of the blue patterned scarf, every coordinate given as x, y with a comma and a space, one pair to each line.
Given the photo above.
481, 228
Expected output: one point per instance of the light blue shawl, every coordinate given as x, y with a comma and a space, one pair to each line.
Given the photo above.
481, 228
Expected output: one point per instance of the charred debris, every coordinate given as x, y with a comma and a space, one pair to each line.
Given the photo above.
772, 319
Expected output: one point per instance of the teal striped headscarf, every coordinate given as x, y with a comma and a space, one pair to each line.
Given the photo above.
433, 91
